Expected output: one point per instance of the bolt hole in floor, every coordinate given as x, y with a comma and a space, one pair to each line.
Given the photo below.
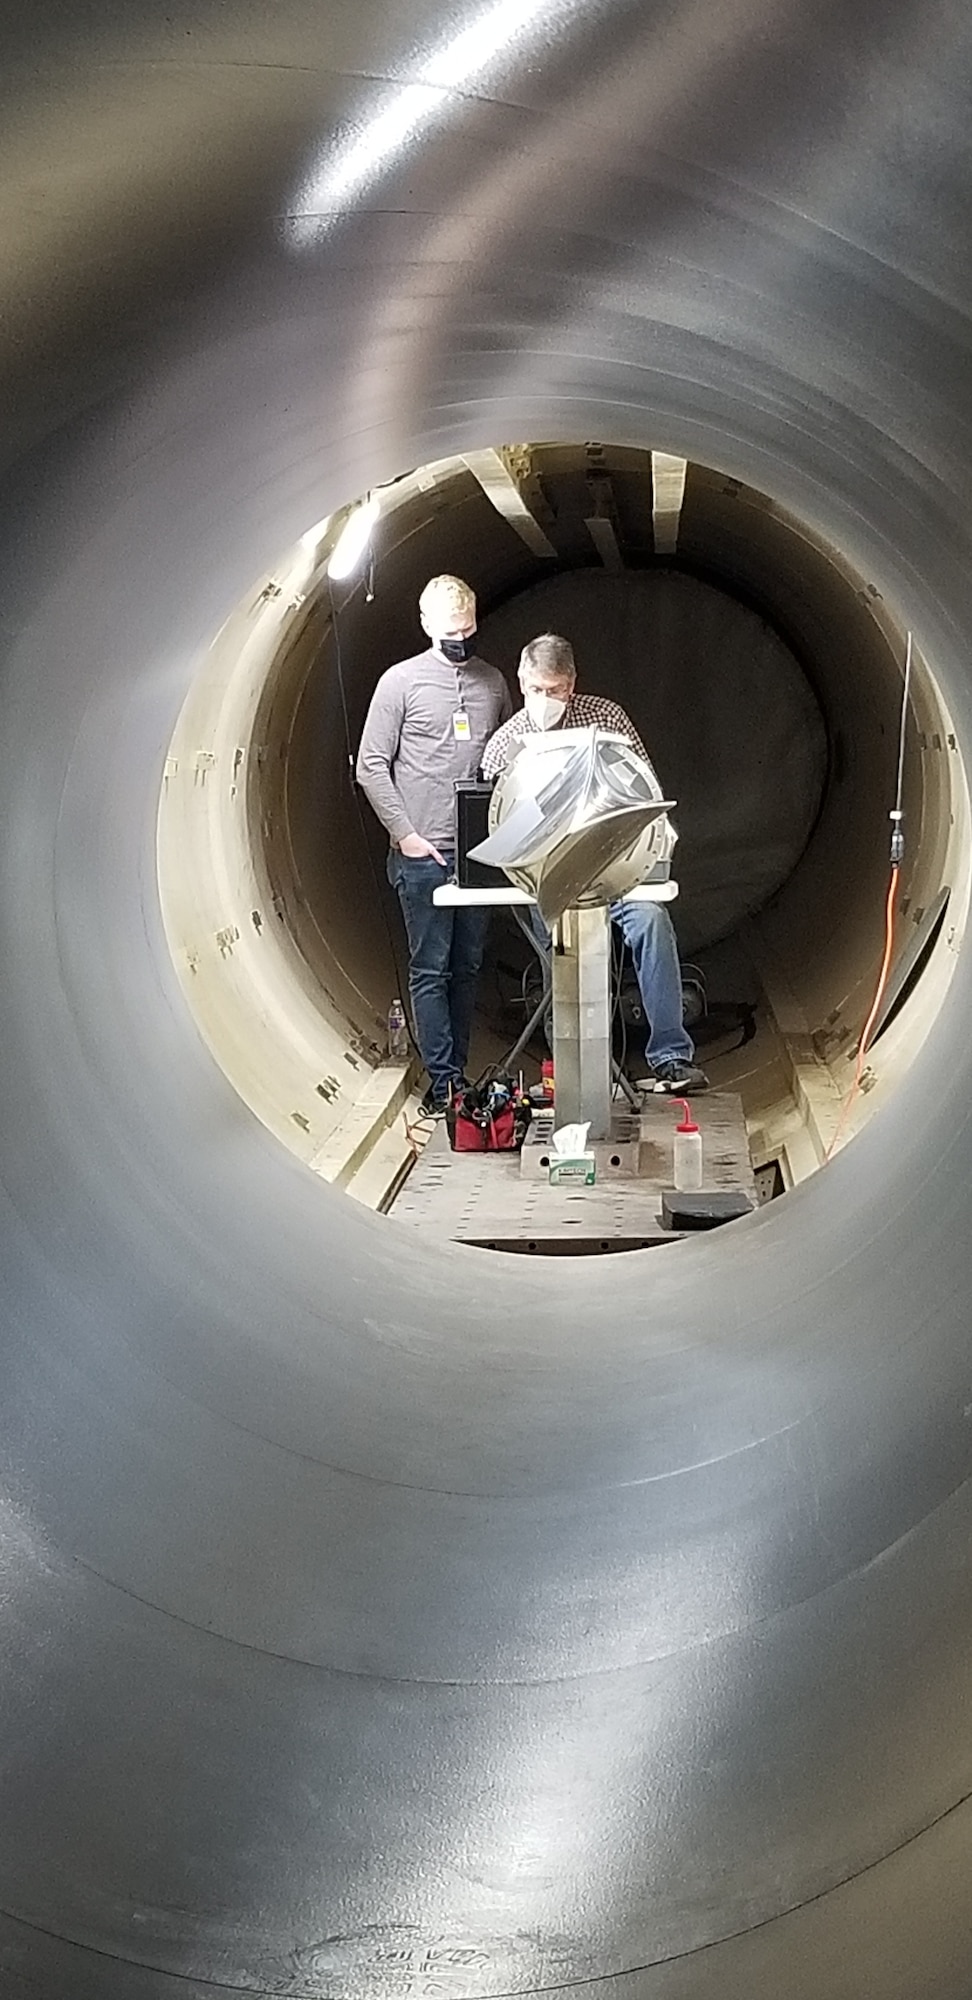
781, 861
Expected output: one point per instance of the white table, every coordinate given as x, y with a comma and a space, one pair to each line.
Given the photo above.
452, 896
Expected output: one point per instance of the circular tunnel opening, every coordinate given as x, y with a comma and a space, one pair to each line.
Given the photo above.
765, 677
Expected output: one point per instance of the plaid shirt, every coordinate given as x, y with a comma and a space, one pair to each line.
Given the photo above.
584, 711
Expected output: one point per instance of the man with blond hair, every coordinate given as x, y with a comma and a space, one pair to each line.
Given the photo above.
548, 680
426, 729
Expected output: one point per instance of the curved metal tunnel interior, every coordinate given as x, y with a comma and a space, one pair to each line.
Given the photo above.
755, 669
376, 1619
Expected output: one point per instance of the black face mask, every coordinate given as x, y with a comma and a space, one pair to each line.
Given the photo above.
457, 651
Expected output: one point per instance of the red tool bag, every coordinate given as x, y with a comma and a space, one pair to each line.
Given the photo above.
497, 1135
488, 1120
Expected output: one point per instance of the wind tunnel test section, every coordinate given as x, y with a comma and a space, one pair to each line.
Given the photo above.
766, 678
381, 1615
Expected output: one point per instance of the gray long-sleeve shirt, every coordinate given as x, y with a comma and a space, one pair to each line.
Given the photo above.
410, 756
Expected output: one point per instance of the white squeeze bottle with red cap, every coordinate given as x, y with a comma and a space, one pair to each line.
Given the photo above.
688, 1151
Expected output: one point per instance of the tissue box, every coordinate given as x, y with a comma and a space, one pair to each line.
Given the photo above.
581, 1170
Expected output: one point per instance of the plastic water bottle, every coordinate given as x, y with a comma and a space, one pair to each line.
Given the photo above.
397, 1032
688, 1151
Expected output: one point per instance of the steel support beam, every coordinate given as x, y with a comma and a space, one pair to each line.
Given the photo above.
509, 481
667, 493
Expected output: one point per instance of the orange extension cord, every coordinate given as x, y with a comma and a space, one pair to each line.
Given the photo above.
872, 1017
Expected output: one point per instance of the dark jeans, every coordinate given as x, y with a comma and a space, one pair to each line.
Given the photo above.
647, 931
445, 952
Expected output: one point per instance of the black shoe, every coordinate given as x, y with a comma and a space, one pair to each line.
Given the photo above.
433, 1106
678, 1079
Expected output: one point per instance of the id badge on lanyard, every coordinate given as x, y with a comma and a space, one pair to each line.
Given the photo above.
460, 721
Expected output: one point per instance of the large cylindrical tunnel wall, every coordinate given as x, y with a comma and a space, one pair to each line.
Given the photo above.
377, 1619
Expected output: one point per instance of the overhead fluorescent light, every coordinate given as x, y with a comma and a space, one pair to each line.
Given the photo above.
353, 539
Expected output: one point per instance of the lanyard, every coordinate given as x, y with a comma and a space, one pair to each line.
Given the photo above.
460, 720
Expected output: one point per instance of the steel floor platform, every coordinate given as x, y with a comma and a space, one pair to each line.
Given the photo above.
484, 1199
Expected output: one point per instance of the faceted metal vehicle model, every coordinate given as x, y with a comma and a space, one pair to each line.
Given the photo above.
577, 817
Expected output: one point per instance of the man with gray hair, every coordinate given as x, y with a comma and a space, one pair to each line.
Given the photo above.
430, 719
548, 678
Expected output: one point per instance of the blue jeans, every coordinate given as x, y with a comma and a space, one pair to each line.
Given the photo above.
445, 952
647, 931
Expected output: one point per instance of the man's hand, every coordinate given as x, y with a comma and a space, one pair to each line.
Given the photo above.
416, 849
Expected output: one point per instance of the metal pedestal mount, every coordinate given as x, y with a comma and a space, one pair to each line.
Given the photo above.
581, 976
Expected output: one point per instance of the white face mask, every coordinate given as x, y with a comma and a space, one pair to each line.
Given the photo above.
544, 710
